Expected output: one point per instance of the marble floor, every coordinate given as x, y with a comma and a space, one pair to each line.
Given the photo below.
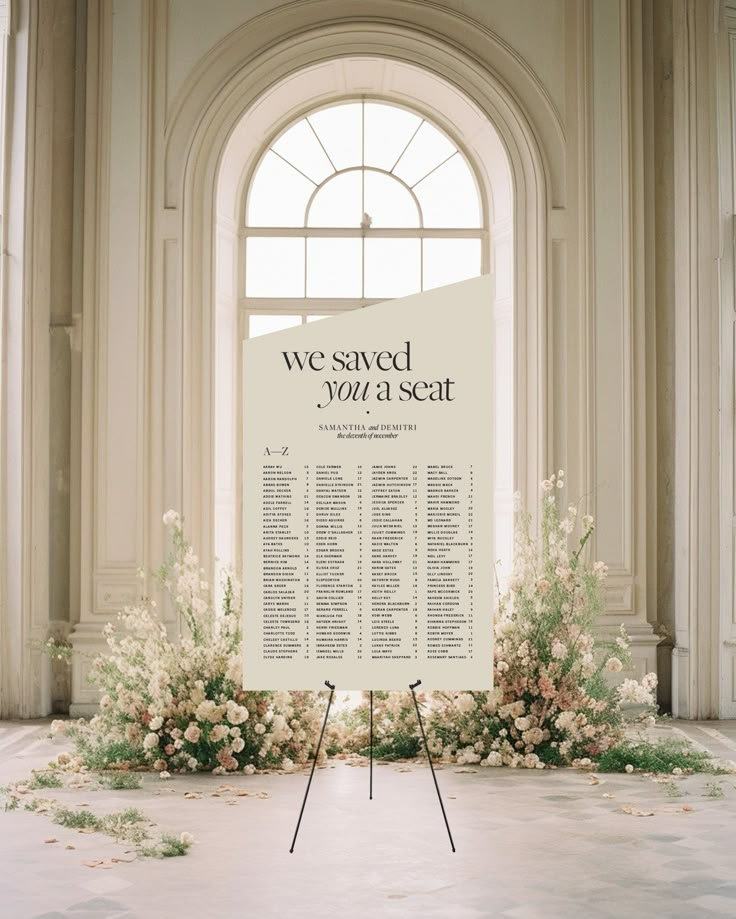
530, 845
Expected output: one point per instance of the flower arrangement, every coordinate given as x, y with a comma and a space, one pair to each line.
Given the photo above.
179, 705
395, 731
552, 703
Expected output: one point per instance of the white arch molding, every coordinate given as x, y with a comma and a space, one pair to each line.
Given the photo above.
207, 118
336, 81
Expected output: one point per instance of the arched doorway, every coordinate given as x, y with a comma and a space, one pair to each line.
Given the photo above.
369, 195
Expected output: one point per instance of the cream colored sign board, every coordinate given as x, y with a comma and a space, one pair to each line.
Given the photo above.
368, 498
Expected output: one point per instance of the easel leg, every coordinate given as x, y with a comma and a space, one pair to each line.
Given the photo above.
370, 772
331, 687
412, 687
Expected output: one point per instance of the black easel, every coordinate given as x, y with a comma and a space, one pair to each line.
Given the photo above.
370, 770
413, 686
331, 687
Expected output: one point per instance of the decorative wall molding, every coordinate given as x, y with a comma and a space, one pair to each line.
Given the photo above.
420, 31
24, 420
726, 70
696, 668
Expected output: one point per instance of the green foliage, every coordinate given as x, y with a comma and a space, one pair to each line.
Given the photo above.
100, 753
45, 780
714, 790
399, 746
660, 757
12, 801
81, 819
395, 727
120, 781
123, 825
168, 847
673, 790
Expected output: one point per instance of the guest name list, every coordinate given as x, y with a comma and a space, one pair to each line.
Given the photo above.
368, 542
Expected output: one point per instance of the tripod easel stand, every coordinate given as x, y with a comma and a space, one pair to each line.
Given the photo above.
331, 687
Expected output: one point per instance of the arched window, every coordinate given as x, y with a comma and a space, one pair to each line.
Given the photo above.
360, 197
353, 204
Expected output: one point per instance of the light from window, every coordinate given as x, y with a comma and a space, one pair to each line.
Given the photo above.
395, 193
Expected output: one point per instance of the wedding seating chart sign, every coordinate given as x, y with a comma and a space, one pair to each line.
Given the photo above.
367, 497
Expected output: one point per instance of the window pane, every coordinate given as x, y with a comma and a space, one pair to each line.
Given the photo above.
341, 132
334, 268
449, 260
338, 202
426, 151
392, 267
388, 202
301, 148
388, 130
262, 325
278, 195
449, 197
274, 267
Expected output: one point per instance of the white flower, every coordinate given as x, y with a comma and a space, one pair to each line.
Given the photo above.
249, 769
236, 714
192, 733
522, 724
629, 768
494, 759
635, 693
677, 771
468, 755
164, 774
186, 839
600, 570
614, 665
150, 741
650, 681
171, 518
260, 728
587, 521
559, 649
465, 703
192, 763
238, 744
219, 732
156, 723
208, 711
57, 727
533, 736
